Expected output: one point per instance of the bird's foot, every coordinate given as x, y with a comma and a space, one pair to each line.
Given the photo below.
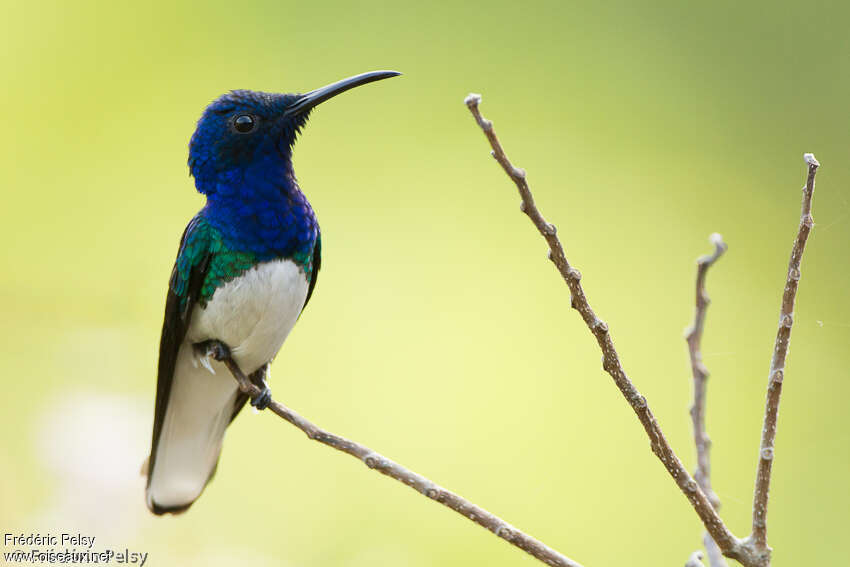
263, 400
216, 349
212, 348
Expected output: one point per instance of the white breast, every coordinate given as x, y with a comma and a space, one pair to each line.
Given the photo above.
253, 313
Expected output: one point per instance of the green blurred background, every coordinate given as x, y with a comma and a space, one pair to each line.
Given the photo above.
439, 334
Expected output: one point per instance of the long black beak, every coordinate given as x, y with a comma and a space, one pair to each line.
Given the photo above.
318, 96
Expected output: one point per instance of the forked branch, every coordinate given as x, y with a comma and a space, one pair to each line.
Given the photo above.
753, 551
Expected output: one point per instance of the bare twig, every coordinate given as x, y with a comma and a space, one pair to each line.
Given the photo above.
693, 337
700, 374
730, 545
777, 365
415, 481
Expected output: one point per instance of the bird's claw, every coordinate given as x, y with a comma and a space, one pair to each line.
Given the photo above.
217, 350
214, 349
264, 398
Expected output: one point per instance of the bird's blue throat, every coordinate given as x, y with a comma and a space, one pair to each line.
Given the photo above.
260, 209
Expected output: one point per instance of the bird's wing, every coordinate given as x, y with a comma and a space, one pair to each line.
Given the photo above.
317, 264
184, 291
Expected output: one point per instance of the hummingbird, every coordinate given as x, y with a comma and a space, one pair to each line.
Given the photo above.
245, 269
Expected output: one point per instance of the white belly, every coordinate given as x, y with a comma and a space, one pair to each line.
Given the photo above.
253, 313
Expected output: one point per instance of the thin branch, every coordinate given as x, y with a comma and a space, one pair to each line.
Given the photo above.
415, 481
700, 374
731, 546
777, 364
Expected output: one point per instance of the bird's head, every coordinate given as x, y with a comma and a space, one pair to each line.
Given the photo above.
242, 127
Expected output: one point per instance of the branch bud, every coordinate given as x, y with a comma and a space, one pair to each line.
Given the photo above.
810, 159
472, 99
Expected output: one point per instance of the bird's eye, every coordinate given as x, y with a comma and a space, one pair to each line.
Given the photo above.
244, 123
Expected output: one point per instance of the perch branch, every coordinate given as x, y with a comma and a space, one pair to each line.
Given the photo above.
729, 544
777, 364
415, 481
700, 374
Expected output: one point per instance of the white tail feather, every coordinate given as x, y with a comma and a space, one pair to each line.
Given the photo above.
199, 409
